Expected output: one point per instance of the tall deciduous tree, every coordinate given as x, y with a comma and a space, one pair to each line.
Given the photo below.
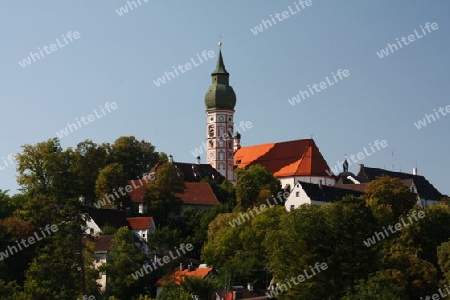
393, 195
124, 259
112, 180
59, 255
136, 157
427, 233
234, 244
251, 182
160, 196
44, 169
302, 239
87, 160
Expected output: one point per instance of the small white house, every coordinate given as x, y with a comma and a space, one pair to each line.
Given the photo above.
142, 226
310, 193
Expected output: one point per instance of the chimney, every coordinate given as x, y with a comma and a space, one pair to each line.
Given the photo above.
141, 208
181, 267
198, 160
361, 167
414, 171
171, 158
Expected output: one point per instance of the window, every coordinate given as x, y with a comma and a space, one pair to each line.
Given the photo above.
221, 155
297, 194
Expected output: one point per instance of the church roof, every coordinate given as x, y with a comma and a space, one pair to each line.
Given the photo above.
220, 66
284, 159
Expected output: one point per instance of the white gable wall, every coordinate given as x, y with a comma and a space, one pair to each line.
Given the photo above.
296, 198
310, 179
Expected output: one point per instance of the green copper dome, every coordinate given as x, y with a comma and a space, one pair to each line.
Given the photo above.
220, 94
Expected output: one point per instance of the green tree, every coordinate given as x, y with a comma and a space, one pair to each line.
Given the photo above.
87, 160
60, 254
172, 291
44, 169
15, 230
407, 274
162, 157
112, 180
236, 248
424, 235
302, 239
40, 210
251, 182
202, 288
374, 288
392, 195
333, 234
124, 260
443, 253
11, 291
91, 273
136, 157
161, 194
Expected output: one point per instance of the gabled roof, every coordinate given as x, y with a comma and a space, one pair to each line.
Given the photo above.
198, 193
424, 188
111, 217
138, 191
325, 193
285, 159
102, 243
177, 276
194, 193
139, 223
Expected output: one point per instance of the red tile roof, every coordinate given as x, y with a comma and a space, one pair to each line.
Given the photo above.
102, 243
194, 193
140, 222
137, 193
285, 159
198, 193
177, 276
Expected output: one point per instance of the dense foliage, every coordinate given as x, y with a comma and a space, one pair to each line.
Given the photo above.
377, 246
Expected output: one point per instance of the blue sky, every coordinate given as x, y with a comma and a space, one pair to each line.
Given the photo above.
117, 58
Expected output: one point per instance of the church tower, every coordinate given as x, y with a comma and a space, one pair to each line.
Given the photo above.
220, 100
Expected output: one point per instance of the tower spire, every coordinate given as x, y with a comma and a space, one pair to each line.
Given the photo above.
220, 101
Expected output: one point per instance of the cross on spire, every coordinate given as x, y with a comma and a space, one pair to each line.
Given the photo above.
220, 40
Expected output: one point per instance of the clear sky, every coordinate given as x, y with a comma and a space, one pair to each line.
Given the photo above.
117, 59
